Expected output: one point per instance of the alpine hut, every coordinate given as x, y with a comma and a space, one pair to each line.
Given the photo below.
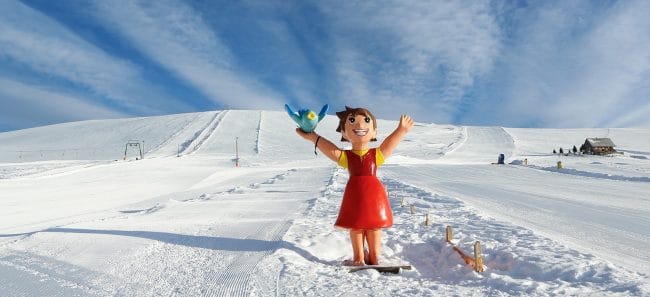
598, 146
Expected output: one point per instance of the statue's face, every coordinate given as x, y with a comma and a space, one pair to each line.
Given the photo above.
359, 129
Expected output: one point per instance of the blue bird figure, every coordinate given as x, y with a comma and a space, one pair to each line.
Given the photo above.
307, 119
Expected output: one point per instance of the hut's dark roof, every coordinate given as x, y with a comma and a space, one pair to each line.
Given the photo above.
599, 142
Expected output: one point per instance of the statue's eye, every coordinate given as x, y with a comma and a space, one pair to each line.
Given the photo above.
367, 119
351, 120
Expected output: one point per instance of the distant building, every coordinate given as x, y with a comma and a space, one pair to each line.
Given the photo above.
598, 146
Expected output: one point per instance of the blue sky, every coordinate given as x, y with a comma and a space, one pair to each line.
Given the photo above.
556, 64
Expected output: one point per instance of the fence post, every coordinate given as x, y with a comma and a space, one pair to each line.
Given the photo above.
478, 258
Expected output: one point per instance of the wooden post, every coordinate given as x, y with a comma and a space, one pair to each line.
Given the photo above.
412, 209
478, 258
449, 234
427, 222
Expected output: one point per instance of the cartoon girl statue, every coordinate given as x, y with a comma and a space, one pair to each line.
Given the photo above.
365, 208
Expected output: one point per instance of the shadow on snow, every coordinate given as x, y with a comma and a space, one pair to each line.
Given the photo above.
196, 241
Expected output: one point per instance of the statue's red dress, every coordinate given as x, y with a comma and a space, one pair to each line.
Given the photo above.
365, 204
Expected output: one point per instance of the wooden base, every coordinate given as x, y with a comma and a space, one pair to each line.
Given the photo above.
382, 268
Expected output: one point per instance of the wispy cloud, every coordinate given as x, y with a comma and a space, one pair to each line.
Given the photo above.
613, 65
571, 64
422, 56
174, 35
25, 105
498, 62
43, 45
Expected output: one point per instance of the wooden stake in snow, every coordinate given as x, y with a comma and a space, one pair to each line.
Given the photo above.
412, 209
478, 258
449, 234
427, 222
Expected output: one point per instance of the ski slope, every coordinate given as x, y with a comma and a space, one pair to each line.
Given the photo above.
79, 219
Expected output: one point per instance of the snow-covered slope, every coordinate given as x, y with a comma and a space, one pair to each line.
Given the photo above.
101, 139
78, 220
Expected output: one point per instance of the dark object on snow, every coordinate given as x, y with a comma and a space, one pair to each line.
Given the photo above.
598, 146
502, 159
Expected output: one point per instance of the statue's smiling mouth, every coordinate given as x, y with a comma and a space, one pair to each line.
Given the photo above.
360, 132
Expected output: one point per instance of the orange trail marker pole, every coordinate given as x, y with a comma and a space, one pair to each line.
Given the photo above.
468, 260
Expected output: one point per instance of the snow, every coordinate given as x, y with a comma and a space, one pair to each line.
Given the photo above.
76, 219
